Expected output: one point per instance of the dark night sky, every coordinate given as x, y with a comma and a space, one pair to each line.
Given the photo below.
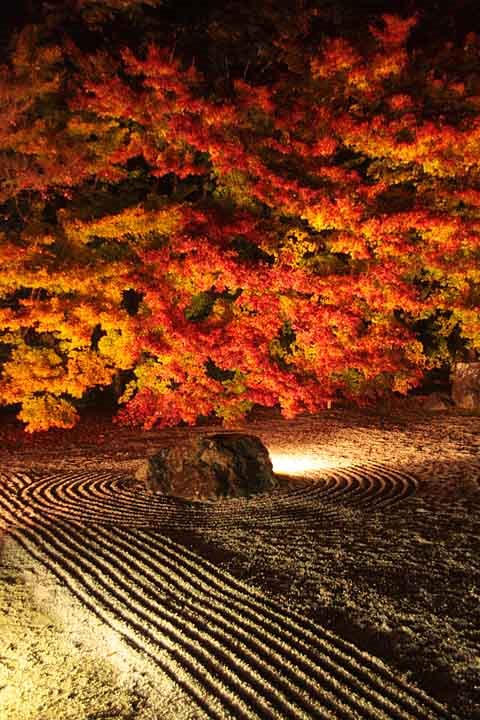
461, 15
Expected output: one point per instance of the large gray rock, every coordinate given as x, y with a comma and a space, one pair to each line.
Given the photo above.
466, 385
210, 467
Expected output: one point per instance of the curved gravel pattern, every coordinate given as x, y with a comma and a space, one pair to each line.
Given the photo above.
243, 604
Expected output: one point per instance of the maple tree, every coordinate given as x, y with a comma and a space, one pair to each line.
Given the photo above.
207, 248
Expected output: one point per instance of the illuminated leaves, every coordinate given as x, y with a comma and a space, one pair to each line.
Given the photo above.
395, 30
42, 412
338, 56
132, 221
30, 370
275, 243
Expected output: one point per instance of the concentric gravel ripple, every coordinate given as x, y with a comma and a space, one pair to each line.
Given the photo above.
232, 650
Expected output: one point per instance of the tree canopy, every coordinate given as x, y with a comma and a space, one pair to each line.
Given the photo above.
283, 214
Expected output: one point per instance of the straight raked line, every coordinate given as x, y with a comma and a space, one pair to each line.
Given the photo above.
344, 711
209, 599
24, 482
210, 642
209, 694
39, 542
129, 603
293, 625
254, 620
251, 640
21, 509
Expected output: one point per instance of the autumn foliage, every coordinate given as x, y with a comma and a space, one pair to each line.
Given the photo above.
288, 242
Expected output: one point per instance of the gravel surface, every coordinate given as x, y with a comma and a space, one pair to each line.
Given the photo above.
372, 539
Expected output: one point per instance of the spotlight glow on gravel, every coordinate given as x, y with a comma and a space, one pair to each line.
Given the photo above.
299, 463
